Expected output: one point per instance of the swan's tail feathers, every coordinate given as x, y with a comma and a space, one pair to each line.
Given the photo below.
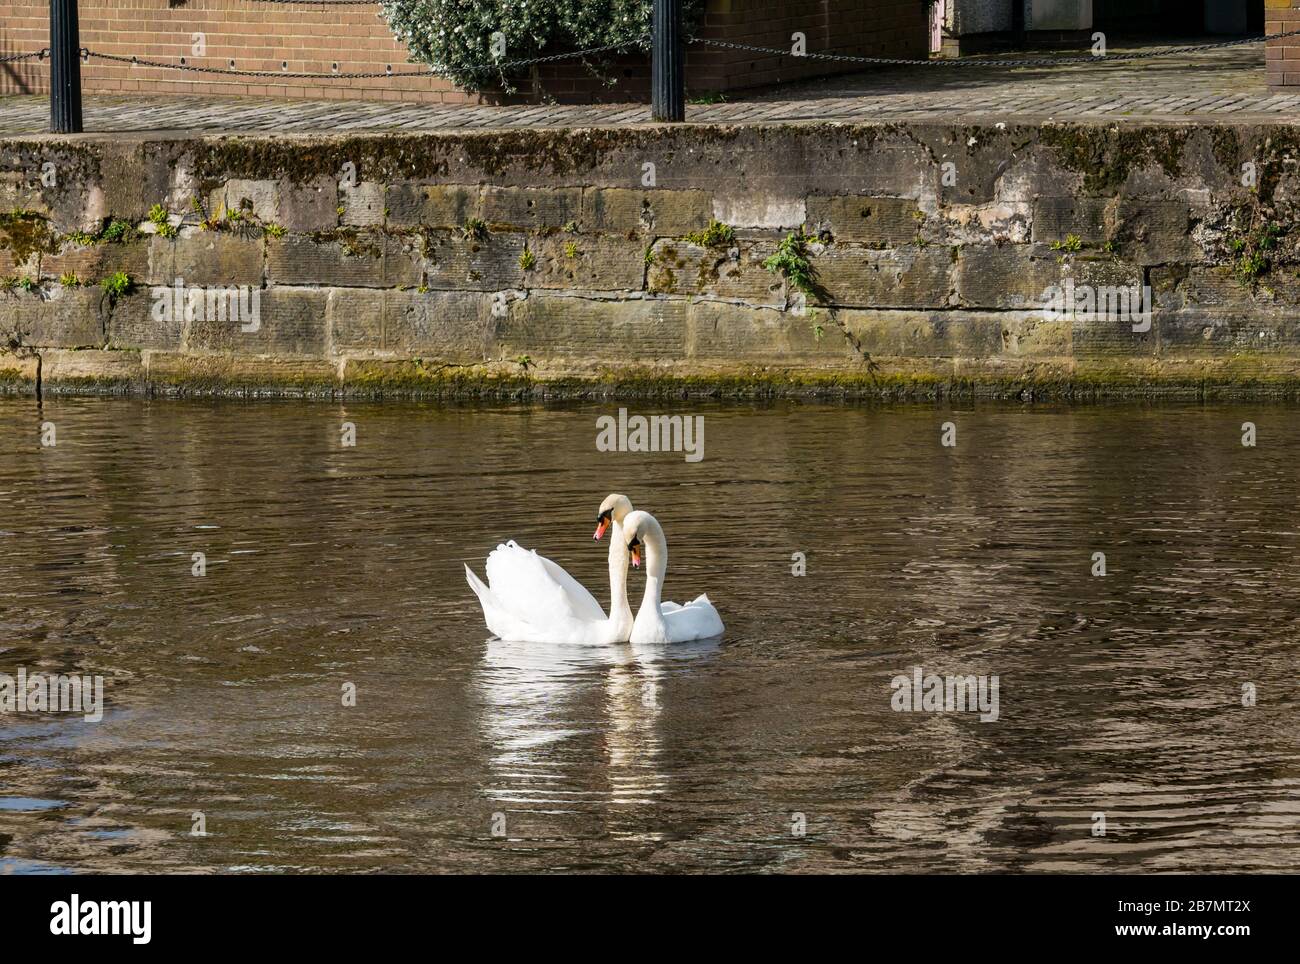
476, 584
496, 621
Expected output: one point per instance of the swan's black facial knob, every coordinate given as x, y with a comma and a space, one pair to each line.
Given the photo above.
634, 547
602, 523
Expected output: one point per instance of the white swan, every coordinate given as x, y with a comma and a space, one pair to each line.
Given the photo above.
612, 512
529, 598
658, 622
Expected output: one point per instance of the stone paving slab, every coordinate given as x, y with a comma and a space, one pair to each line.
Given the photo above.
1224, 85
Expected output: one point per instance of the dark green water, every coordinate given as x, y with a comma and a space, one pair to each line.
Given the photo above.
328, 565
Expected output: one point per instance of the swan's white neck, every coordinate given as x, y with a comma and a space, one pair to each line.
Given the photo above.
656, 567
620, 610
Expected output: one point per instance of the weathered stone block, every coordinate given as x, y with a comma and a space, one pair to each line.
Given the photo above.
261, 198
737, 272
1087, 218
356, 260
661, 213
903, 277
67, 370
1212, 333
91, 263
56, 318
876, 165
24, 238
625, 332
1218, 289
760, 210
997, 222
363, 205
19, 372
1021, 276
142, 320
885, 220
451, 260
722, 333
355, 319
1097, 338
520, 207
21, 192
309, 206
205, 257
133, 177
598, 262
918, 334
1155, 232
437, 206
1030, 334
284, 321
452, 326
226, 373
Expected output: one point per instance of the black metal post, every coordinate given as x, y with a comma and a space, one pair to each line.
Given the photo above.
65, 68
667, 63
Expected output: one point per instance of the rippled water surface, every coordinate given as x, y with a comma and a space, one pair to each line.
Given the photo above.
328, 565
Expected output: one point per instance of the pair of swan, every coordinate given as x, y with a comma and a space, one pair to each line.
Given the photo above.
529, 598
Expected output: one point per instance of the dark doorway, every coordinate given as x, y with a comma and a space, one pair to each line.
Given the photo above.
1164, 17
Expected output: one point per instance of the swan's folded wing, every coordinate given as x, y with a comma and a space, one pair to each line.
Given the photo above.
698, 619
584, 603
535, 590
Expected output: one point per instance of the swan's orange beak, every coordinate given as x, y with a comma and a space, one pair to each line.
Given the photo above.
601, 526
635, 549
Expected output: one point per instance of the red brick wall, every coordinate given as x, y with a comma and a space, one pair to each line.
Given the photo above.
262, 36
1283, 16
869, 28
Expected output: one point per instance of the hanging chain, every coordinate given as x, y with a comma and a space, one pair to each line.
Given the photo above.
389, 72
35, 54
971, 62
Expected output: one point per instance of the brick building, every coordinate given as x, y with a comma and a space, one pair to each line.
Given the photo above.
1283, 16
353, 38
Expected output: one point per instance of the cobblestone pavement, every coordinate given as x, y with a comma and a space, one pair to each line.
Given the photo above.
1226, 84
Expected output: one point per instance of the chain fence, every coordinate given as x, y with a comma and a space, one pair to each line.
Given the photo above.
500, 65
992, 61
517, 64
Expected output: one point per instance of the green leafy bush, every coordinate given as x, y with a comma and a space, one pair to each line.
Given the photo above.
455, 36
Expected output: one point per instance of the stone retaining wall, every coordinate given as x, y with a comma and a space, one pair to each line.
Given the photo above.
563, 261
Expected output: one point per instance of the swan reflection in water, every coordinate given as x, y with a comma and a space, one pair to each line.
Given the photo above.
578, 729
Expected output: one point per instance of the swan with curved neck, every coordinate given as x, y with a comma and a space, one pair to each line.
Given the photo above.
528, 598
657, 621
612, 512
